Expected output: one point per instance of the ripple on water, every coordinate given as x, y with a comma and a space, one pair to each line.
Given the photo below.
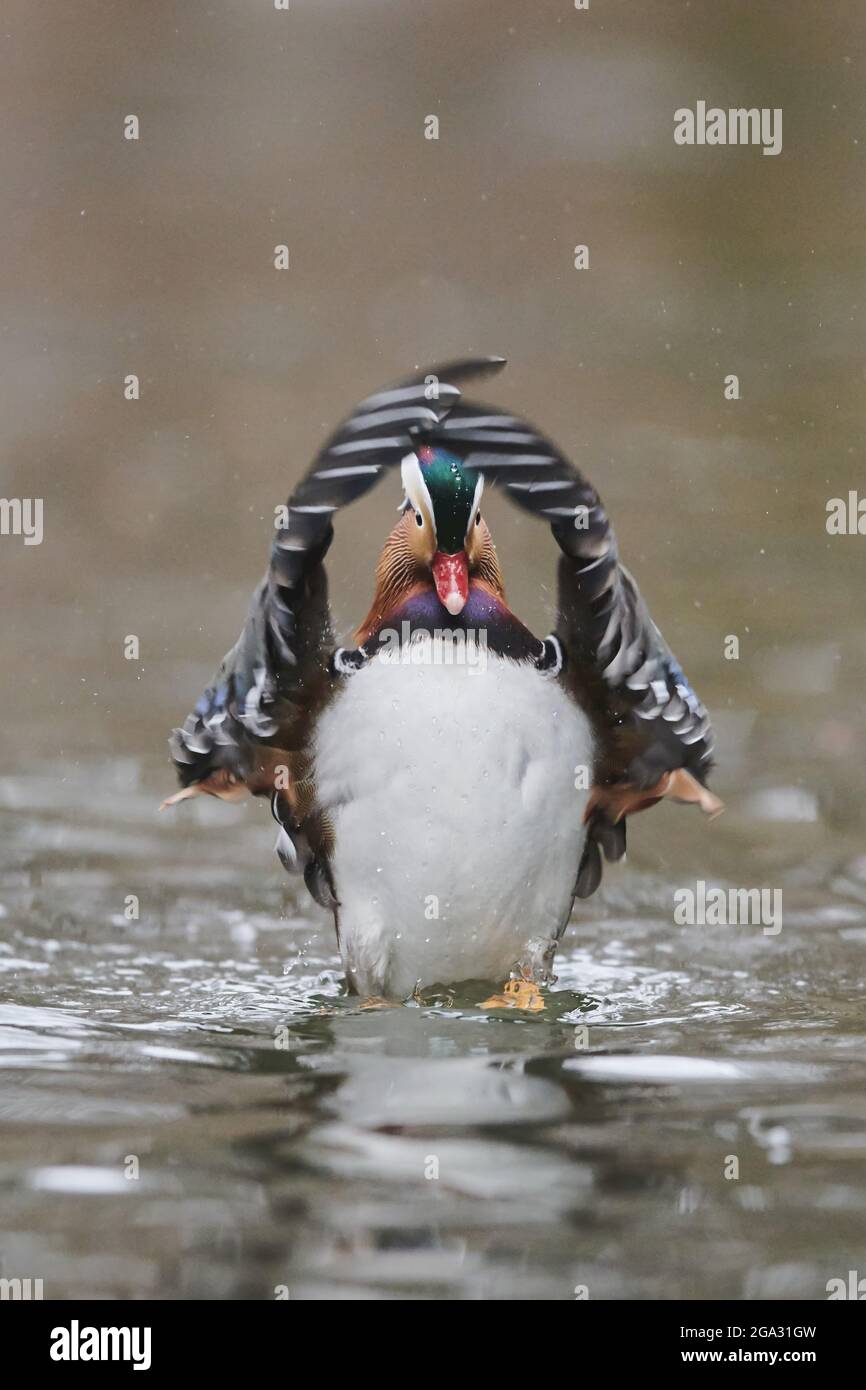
287, 1134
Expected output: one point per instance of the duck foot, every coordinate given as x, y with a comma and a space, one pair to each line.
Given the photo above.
517, 994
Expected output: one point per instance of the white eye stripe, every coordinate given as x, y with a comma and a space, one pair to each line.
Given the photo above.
416, 489
476, 502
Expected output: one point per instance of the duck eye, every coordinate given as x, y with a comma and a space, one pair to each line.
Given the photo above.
477, 518
419, 520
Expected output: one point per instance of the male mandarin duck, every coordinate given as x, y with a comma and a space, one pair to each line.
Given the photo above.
448, 785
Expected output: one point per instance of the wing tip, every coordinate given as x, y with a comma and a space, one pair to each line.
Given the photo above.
463, 369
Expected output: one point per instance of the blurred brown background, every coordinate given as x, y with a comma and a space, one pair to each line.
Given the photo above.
260, 127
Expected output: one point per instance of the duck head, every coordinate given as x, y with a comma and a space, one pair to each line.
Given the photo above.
448, 535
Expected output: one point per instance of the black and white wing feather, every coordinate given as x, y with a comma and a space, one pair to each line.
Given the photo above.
653, 731
264, 685
604, 624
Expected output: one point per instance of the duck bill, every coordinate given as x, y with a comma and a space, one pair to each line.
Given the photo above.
451, 577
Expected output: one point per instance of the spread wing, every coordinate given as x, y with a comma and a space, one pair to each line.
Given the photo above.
654, 734
255, 714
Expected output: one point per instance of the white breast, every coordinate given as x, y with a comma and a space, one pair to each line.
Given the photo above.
458, 827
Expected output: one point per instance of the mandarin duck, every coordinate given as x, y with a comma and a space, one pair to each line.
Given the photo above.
450, 783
